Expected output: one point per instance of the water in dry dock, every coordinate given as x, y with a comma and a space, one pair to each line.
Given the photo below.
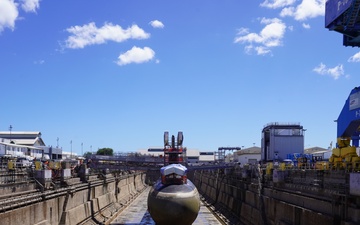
136, 214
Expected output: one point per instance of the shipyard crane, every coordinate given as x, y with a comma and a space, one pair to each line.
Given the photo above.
343, 16
348, 133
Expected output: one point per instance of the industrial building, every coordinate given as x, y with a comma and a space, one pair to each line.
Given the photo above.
280, 139
193, 156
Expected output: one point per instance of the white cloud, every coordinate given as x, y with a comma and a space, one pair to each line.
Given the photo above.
305, 10
243, 30
40, 62
355, 58
156, 24
273, 4
8, 14
136, 55
261, 50
89, 34
306, 25
270, 36
334, 72
30, 5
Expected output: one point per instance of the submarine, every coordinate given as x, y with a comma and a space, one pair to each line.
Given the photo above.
173, 199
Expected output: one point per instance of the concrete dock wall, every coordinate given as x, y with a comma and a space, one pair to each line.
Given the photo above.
242, 200
250, 203
97, 201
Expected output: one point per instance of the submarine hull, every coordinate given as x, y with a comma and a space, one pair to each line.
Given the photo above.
175, 204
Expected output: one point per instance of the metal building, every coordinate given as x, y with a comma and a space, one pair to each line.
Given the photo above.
280, 139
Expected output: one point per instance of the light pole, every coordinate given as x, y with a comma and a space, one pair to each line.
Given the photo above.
10, 128
303, 134
71, 149
81, 149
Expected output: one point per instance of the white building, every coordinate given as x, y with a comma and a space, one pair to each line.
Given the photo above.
21, 144
248, 155
152, 151
28, 138
319, 153
193, 156
14, 150
69, 155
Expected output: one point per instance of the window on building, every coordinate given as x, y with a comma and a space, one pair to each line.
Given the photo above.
206, 153
288, 132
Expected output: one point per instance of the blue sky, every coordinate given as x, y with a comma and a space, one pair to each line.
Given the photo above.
119, 73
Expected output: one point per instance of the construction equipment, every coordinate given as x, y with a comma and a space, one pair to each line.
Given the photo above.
302, 162
344, 156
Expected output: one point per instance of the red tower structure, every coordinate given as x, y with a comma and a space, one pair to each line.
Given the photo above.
174, 171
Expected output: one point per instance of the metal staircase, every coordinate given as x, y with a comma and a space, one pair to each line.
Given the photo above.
353, 14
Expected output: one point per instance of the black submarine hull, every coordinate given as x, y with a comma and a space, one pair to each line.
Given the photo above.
175, 204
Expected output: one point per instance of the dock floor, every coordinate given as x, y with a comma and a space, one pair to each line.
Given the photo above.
136, 213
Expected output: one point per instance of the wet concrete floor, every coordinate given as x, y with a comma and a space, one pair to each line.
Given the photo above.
136, 214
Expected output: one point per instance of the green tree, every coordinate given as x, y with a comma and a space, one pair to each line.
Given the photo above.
105, 151
87, 154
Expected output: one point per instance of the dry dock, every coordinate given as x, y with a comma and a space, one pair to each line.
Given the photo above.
136, 213
242, 196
